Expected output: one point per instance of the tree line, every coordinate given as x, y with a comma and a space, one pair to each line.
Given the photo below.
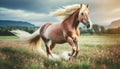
97, 29
113, 30
5, 30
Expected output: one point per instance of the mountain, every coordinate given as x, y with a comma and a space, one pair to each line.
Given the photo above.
114, 24
15, 23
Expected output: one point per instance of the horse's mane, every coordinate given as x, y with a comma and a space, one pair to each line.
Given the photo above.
66, 11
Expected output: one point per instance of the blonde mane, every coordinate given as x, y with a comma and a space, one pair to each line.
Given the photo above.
66, 11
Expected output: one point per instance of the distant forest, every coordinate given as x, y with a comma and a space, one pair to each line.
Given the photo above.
5, 31
97, 29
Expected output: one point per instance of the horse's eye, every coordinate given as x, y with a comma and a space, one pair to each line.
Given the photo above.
82, 14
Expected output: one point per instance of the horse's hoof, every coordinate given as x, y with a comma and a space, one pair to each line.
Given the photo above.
69, 54
71, 58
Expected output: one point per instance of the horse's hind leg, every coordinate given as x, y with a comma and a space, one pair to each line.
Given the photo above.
47, 47
52, 46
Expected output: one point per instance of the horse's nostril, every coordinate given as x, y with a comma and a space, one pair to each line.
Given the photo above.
88, 25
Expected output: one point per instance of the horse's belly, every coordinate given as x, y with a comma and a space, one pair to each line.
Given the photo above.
54, 33
57, 37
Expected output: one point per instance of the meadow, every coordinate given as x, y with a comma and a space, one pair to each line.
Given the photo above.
96, 52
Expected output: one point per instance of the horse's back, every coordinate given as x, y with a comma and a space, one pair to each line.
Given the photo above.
53, 32
44, 27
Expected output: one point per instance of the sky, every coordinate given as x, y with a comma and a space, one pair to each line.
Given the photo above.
38, 12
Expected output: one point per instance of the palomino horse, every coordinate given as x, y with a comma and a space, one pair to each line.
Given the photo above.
66, 31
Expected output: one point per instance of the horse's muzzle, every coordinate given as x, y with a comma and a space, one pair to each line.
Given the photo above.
87, 24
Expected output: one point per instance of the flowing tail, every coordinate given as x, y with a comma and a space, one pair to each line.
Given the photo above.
32, 39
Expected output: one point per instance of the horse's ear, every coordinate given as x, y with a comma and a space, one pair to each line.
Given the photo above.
87, 5
80, 5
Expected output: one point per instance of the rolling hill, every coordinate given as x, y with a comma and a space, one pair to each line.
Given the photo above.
114, 24
15, 23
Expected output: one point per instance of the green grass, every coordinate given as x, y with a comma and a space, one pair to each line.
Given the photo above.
21, 59
8, 37
95, 53
18, 58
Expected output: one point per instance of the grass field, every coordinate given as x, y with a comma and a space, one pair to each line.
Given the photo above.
96, 52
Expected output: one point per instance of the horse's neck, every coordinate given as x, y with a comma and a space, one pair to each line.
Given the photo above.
72, 21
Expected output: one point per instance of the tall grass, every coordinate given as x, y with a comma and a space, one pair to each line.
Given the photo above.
95, 53
8, 37
22, 59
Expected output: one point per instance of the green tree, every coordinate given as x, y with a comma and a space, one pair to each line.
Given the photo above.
102, 29
96, 28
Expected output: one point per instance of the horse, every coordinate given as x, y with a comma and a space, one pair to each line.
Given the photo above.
65, 32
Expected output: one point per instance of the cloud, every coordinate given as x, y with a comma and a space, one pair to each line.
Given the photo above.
21, 13
35, 18
39, 6
105, 12
37, 12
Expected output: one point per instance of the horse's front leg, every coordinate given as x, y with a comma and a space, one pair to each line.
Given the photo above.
72, 44
77, 47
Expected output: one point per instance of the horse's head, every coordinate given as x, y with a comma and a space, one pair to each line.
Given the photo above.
84, 16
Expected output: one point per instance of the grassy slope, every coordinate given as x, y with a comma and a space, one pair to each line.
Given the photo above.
8, 37
96, 52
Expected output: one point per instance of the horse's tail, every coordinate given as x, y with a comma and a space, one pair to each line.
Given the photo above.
32, 39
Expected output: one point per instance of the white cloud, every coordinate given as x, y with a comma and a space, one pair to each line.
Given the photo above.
101, 12
21, 15
105, 13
